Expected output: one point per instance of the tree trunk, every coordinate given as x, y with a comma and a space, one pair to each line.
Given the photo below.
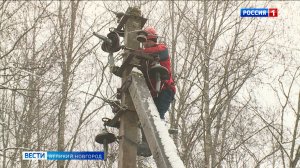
66, 72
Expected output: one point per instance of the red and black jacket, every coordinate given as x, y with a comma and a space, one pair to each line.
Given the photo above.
164, 59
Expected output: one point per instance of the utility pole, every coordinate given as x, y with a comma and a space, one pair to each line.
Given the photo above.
136, 100
129, 119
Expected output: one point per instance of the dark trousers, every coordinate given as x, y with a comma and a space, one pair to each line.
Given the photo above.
163, 101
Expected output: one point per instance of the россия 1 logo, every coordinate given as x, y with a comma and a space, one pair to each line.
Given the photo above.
259, 12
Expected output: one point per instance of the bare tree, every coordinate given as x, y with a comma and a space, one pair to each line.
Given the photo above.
285, 138
53, 76
210, 72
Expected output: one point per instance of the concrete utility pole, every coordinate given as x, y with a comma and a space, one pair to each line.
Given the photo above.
135, 95
161, 145
129, 119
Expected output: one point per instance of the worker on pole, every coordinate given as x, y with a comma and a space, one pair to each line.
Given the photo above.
164, 96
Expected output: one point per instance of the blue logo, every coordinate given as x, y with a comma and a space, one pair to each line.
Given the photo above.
254, 12
34, 155
61, 155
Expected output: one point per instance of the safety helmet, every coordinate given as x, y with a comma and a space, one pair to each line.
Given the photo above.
151, 32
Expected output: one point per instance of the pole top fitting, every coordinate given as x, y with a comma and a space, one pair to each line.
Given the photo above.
134, 11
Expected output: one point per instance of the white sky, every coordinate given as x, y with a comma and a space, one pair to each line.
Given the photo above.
287, 28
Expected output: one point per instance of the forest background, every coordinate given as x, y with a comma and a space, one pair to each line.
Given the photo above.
237, 101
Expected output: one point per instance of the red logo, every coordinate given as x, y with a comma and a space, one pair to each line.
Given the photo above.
273, 12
